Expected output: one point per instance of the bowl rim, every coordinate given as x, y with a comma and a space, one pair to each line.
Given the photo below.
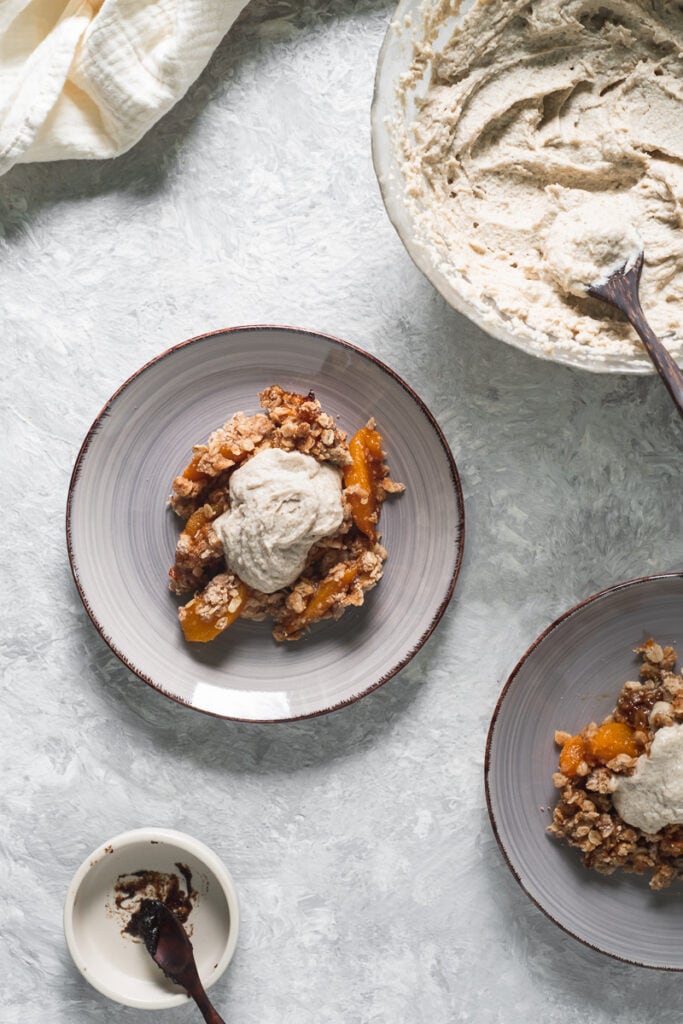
575, 609
454, 477
419, 254
134, 837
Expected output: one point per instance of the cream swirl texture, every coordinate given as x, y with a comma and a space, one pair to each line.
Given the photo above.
534, 111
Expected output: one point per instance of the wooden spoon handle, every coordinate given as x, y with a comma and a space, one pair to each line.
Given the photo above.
210, 1015
668, 370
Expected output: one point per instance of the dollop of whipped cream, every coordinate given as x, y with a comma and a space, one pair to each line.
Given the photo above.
588, 243
652, 797
281, 504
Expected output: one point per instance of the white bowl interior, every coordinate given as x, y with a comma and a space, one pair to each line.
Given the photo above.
117, 964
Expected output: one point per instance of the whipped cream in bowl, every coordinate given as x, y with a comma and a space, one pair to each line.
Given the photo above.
588, 243
494, 120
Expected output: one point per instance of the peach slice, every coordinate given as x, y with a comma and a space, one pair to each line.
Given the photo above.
612, 739
202, 621
329, 590
573, 753
365, 471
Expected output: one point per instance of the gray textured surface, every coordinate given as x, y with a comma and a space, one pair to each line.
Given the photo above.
372, 890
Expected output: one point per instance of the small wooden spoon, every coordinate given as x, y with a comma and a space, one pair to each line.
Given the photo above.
621, 290
169, 946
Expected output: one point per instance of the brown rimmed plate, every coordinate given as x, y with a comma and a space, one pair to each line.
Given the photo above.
570, 676
121, 534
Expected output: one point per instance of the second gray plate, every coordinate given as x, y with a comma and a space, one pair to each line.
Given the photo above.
571, 676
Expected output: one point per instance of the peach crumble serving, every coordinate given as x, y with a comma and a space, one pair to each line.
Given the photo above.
621, 782
281, 519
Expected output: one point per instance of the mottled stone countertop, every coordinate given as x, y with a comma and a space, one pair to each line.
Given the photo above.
372, 889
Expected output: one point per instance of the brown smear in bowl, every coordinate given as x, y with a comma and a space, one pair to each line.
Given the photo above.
132, 888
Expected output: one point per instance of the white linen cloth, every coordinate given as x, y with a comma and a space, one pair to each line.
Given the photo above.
88, 78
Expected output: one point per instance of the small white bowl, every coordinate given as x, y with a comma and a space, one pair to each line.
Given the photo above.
118, 965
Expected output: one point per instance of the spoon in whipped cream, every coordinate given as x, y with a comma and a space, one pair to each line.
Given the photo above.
621, 290
593, 250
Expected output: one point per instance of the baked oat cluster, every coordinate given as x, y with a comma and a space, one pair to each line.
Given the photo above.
593, 762
339, 569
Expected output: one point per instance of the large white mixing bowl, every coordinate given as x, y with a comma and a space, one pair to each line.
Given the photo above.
390, 116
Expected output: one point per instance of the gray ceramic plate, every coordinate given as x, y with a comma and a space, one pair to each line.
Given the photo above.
569, 677
121, 534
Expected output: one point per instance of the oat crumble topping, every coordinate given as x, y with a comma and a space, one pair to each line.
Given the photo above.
591, 764
339, 569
